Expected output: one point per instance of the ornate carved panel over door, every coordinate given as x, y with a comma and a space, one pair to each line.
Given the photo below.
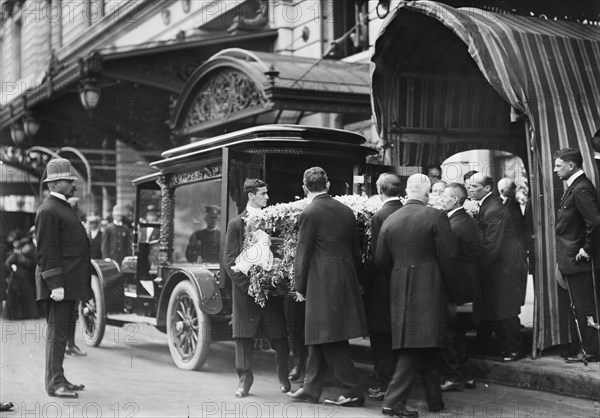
225, 93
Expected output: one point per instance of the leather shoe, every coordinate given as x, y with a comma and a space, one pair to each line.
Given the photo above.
569, 353
346, 401
73, 387
451, 386
402, 413
470, 384
579, 358
377, 396
512, 356
374, 389
64, 392
296, 373
6, 406
285, 387
76, 351
241, 392
302, 396
437, 408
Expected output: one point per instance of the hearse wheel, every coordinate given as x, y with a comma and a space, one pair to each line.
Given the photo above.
92, 315
188, 328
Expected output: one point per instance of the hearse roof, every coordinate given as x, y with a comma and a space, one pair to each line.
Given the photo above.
262, 134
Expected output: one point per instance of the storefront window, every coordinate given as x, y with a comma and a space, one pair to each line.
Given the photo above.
197, 223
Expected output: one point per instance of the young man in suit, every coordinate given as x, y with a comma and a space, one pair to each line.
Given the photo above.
418, 249
63, 273
468, 236
377, 290
249, 319
503, 272
327, 256
578, 247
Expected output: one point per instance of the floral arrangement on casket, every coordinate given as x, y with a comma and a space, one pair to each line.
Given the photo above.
280, 221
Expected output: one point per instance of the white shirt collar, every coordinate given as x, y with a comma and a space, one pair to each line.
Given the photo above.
454, 210
310, 199
60, 196
389, 199
574, 177
252, 210
94, 233
504, 198
483, 198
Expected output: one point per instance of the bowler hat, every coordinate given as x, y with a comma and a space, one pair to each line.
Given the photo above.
59, 169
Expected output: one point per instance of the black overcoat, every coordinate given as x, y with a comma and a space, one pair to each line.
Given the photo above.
250, 320
62, 253
578, 226
377, 282
417, 245
325, 268
503, 264
469, 239
116, 242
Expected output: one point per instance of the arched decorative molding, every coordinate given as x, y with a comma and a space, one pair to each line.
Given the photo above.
217, 89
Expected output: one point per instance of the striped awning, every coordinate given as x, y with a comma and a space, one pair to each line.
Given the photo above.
547, 70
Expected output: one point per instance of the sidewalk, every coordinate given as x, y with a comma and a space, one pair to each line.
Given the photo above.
549, 373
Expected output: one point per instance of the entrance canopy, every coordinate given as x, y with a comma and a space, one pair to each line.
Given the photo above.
238, 88
548, 72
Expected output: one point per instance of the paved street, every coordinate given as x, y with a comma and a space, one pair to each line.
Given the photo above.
131, 375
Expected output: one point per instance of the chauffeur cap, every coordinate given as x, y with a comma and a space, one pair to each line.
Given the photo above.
59, 169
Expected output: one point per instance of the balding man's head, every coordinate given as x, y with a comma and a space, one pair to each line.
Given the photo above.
417, 187
480, 186
506, 187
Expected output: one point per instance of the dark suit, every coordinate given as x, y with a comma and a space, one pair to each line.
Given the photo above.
249, 319
417, 247
377, 302
116, 242
96, 245
503, 277
468, 235
63, 258
578, 226
327, 256
515, 215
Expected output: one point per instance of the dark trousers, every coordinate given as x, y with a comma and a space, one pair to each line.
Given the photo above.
582, 292
59, 316
454, 351
383, 357
336, 355
73, 325
244, 353
507, 330
294, 318
411, 362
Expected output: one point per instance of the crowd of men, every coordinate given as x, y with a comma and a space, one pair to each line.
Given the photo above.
428, 256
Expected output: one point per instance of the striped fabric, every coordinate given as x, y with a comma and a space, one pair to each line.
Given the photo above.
549, 71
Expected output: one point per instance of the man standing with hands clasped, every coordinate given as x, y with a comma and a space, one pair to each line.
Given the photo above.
63, 273
418, 249
325, 268
578, 249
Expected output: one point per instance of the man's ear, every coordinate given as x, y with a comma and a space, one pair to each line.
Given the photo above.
327, 185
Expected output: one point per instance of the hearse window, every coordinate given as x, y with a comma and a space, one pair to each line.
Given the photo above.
197, 224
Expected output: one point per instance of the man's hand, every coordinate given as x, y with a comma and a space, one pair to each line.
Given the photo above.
57, 294
582, 255
300, 297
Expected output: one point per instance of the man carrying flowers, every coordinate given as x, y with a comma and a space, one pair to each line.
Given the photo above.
250, 320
